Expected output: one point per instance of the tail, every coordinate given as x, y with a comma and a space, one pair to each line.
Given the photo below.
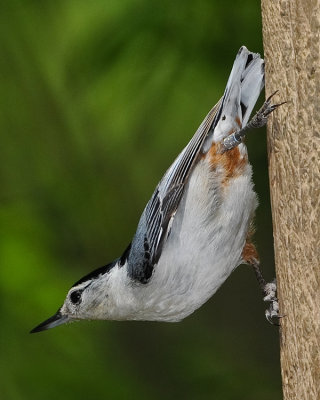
244, 85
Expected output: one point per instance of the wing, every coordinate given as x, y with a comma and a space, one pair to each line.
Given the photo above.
165, 200
155, 222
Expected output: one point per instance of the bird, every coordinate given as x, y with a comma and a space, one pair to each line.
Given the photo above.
196, 228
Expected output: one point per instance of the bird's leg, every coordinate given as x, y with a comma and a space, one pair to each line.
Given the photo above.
250, 256
270, 294
258, 121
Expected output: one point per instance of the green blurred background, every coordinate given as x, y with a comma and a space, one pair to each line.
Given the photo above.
97, 99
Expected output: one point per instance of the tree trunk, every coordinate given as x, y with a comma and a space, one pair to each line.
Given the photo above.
291, 31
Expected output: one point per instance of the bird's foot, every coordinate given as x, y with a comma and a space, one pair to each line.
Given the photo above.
258, 121
270, 294
261, 117
272, 312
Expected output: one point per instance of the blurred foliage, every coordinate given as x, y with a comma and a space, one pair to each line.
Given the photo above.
97, 98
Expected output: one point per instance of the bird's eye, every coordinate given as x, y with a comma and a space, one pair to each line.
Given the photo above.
75, 296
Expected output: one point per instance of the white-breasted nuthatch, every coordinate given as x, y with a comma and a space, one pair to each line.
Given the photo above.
196, 228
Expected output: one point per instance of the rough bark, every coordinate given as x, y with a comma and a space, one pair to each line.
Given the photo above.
291, 31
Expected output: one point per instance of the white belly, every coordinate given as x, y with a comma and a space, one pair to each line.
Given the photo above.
206, 241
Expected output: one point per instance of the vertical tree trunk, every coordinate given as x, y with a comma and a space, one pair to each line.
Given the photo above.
291, 31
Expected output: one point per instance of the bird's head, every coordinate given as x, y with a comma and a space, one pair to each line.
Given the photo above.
87, 299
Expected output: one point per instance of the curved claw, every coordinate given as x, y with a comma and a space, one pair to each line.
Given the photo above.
261, 117
270, 108
267, 108
273, 318
271, 95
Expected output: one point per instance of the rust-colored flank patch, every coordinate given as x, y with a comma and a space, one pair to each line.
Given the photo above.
232, 161
249, 253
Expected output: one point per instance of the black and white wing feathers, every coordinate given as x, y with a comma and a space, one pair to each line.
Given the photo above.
155, 222
166, 198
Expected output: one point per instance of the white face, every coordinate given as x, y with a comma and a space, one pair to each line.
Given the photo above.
87, 300
96, 296
76, 298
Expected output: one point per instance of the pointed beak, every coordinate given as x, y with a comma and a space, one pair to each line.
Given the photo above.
56, 320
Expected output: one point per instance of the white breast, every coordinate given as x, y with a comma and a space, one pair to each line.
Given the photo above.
204, 246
